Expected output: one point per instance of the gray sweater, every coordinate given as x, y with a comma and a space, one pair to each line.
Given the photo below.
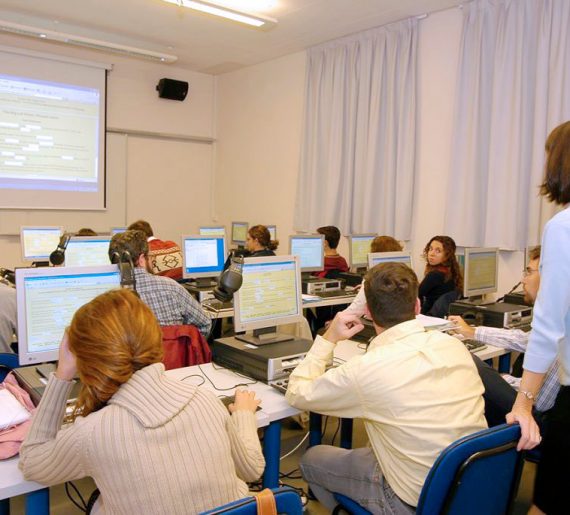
161, 444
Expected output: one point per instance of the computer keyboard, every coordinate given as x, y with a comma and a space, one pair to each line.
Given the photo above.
333, 294
216, 305
473, 345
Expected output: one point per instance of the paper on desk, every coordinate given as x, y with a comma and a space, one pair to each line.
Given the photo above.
434, 322
310, 298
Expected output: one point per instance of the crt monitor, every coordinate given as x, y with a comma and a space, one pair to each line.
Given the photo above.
117, 230
204, 257
310, 249
269, 296
47, 299
376, 258
359, 248
39, 242
212, 230
272, 232
481, 271
239, 232
87, 251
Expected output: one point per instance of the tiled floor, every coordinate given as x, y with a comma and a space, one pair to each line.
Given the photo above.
291, 436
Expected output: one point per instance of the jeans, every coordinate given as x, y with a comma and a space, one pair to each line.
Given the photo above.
354, 473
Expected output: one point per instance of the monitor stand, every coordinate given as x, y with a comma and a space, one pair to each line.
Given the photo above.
264, 336
475, 300
37, 264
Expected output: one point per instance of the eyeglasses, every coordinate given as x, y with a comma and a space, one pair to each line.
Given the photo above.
527, 271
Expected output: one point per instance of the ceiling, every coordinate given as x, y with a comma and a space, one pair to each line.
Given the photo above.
208, 44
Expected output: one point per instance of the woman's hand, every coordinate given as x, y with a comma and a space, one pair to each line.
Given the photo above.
66, 364
244, 400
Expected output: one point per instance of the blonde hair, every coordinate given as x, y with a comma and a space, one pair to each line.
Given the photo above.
111, 337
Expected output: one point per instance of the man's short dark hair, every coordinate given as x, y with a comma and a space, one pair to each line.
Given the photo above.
134, 242
331, 234
534, 253
142, 225
391, 291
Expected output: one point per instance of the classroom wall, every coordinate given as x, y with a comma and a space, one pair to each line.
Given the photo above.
259, 127
164, 179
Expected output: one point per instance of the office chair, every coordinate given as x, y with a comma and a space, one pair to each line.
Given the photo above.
440, 307
479, 473
8, 362
287, 501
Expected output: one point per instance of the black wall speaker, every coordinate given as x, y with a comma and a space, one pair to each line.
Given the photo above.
172, 89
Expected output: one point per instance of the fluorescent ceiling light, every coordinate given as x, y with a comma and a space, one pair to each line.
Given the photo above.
96, 44
254, 20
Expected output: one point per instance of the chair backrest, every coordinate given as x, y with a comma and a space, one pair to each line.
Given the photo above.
287, 501
477, 474
440, 307
8, 361
184, 345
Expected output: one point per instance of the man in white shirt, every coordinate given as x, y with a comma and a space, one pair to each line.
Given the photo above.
416, 391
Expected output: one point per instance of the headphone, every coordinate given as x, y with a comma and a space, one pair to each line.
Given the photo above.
230, 281
57, 257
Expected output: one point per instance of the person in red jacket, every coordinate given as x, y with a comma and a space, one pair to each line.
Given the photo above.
334, 262
165, 256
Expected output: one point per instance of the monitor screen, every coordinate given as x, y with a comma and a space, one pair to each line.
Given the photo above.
377, 258
87, 251
39, 242
47, 299
481, 271
270, 294
239, 232
218, 230
311, 251
117, 230
359, 248
204, 256
272, 232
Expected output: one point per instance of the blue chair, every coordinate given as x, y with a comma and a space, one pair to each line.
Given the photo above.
8, 361
287, 500
479, 473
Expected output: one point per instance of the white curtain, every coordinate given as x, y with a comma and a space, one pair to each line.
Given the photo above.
513, 89
358, 151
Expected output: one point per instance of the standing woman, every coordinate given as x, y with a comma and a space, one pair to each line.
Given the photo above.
550, 339
150, 442
442, 273
259, 243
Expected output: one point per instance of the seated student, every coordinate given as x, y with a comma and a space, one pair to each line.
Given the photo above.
86, 231
442, 273
170, 302
165, 256
150, 442
258, 242
379, 244
416, 391
334, 262
499, 394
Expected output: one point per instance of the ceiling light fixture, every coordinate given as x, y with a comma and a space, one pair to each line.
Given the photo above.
95, 44
254, 20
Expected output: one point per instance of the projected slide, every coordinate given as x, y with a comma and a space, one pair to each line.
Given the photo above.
49, 135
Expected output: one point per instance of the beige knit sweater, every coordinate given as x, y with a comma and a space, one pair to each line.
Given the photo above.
159, 446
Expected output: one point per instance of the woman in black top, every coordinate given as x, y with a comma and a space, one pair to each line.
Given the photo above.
259, 243
442, 273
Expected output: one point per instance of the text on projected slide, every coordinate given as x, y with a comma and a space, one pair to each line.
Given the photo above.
268, 291
48, 135
52, 301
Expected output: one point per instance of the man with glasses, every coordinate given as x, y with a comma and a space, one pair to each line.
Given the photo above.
501, 391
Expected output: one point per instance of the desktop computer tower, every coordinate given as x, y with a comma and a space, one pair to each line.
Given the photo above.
498, 314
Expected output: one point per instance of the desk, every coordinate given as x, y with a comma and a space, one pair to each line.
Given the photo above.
12, 483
